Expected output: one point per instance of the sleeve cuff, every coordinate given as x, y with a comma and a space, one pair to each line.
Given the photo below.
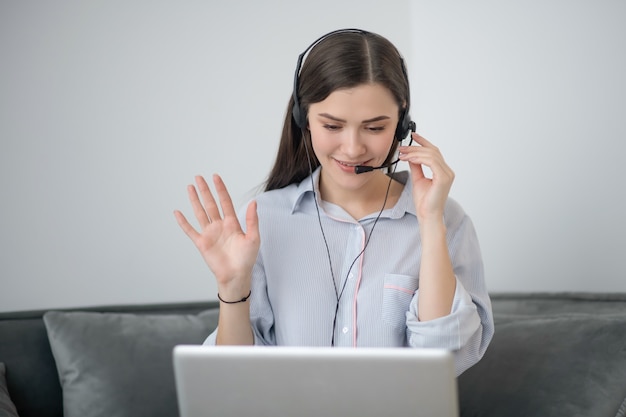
450, 332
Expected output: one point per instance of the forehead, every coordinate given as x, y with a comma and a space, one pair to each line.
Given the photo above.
365, 100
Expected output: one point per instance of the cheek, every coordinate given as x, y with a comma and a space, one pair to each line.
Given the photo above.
320, 139
383, 146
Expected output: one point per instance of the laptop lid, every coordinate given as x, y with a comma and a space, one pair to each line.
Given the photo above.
259, 381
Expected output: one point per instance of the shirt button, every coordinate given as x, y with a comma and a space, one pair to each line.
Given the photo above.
351, 275
344, 330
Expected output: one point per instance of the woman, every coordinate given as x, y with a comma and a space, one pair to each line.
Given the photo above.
334, 257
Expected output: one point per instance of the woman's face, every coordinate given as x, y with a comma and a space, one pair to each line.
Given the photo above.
353, 126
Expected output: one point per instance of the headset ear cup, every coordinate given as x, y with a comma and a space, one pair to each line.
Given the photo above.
295, 113
298, 116
404, 126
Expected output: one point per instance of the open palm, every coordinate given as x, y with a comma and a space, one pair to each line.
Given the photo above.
227, 250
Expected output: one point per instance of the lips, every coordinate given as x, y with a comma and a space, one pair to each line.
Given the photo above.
348, 164
348, 167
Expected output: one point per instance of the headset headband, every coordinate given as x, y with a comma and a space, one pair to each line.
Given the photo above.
404, 125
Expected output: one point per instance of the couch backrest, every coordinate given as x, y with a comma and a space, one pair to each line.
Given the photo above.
558, 354
31, 372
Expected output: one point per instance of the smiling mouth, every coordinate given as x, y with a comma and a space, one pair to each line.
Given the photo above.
346, 164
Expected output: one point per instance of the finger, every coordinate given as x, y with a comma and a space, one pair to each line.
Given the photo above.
422, 140
433, 159
416, 155
418, 171
422, 145
210, 206
252, 222
427, 155
184, 224
198, 209
435, 163
225, 201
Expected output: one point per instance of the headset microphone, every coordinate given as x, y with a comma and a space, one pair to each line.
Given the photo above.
360, 169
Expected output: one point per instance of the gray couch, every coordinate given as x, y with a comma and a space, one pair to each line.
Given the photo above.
552, 355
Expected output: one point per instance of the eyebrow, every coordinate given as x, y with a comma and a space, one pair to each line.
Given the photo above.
374, 119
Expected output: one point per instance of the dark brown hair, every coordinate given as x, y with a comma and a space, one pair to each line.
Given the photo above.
341, 60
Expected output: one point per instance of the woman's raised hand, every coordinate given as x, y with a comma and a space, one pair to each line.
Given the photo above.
430, 194
227, 250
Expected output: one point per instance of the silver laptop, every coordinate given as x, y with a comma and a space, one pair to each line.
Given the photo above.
259, 381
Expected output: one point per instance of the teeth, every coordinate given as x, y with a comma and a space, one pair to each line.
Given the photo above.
348, 165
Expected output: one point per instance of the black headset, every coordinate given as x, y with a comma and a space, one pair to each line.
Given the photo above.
405, 125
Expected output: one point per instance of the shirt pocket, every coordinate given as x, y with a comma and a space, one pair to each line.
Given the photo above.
398, 291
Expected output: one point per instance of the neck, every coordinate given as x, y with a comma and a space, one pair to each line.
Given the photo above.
365, 200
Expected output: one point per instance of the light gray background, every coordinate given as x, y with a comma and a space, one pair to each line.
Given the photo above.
108, 110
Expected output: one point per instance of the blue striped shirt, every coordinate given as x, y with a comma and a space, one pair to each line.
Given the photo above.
294, 296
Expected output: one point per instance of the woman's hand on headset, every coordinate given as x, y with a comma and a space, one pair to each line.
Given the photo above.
227, 250
430, 194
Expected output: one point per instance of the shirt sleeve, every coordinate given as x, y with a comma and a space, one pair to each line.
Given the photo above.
468, 329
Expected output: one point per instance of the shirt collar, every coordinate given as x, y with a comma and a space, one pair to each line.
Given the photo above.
302, 196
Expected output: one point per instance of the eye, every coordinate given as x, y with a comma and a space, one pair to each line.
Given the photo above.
331, 127
375, 129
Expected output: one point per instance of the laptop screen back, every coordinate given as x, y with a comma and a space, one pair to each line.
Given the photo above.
313, 382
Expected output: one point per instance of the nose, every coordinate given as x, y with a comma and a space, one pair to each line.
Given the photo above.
353, 144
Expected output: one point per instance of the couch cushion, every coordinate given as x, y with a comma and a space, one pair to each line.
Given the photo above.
571, 365
120, 364
7, 408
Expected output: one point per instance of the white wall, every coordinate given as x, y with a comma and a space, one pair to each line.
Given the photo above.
108, 110
528, 101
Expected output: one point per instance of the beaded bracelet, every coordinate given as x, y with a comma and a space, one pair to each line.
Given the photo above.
244, 299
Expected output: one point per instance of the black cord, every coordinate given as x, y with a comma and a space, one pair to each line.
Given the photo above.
332, 341
338, 294
319, 219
